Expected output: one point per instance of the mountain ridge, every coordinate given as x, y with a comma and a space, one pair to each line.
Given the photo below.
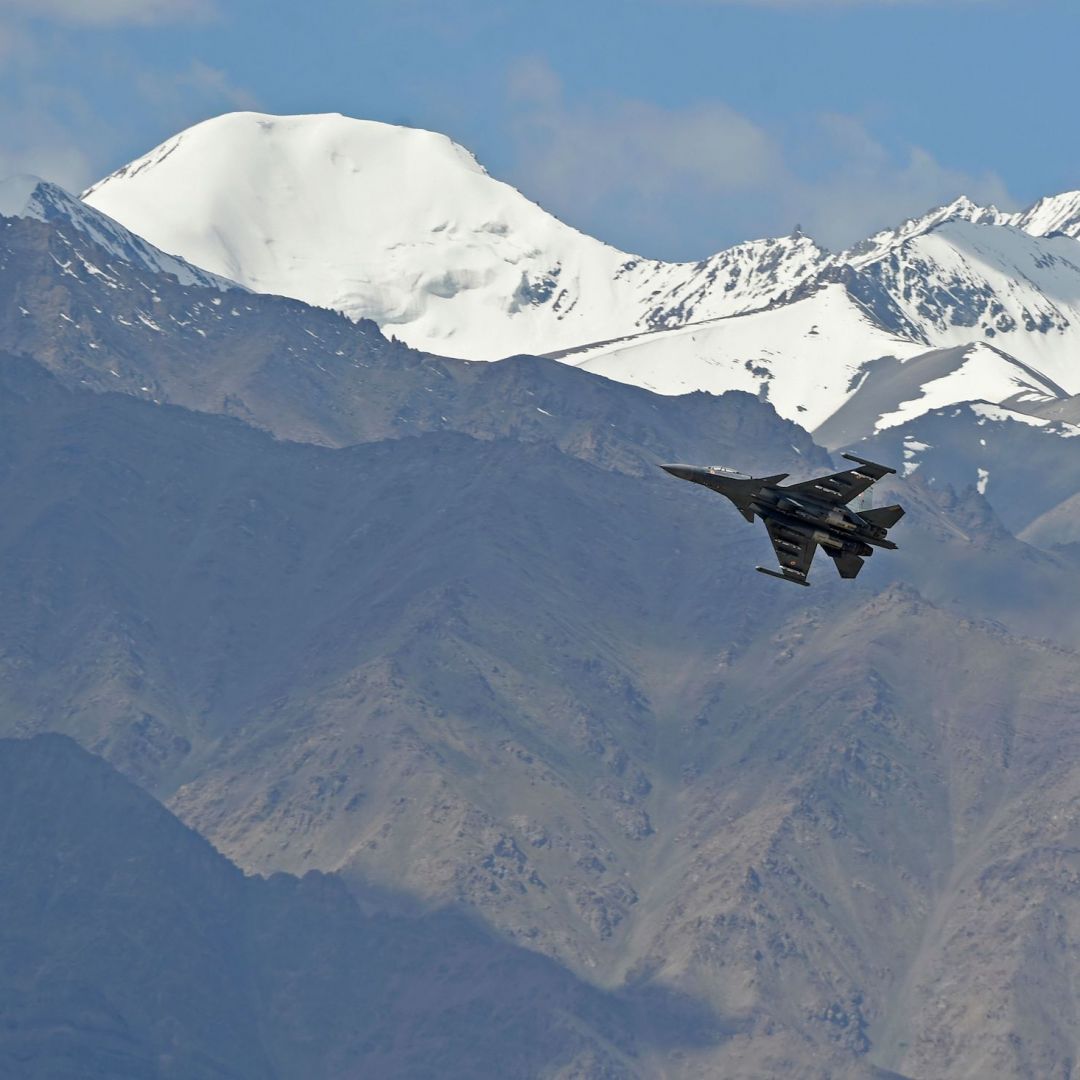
405, 227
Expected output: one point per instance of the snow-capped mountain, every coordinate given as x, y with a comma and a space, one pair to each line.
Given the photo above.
961, 281
889, 392
998, 308
1052, 214
406, 228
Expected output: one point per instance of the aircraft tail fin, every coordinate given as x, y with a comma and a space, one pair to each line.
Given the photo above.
884, 517
848, 566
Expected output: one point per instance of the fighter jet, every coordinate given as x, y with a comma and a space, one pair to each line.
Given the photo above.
799, 517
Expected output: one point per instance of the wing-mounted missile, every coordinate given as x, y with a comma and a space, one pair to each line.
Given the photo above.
785, 575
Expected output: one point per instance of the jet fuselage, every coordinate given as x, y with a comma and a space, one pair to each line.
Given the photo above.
802, 516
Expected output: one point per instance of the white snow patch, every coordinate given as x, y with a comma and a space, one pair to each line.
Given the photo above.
986, 412
985, 373
765, 353
912, 448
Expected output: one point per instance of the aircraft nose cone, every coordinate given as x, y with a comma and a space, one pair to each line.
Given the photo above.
683, 472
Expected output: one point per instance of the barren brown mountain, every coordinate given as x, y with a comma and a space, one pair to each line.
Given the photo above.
443, 631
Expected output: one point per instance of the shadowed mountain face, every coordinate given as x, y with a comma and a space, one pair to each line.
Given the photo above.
132, 949
475, 653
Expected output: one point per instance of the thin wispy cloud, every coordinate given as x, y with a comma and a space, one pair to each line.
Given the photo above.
636, 171
40, 136
841, 3
589, 152
51, 129
109, 12
197, 90
865, 187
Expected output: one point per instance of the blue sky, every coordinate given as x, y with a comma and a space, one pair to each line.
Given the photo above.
667, 127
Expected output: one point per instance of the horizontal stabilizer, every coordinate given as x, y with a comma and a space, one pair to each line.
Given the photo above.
885, 517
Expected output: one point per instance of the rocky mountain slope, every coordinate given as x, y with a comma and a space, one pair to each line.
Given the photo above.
442, 629
994, 450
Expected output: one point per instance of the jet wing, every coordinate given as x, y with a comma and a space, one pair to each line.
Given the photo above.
840, 488
794, 556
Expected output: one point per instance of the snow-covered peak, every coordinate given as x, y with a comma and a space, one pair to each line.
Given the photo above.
962, 282
976, 372
265, 133
1052, 214
960, 209
805, 358
392, 223
742, 278
405, 227
31, 197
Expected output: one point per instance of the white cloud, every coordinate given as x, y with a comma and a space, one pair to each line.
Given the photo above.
836, 3
593, 153
65, 165
682, 182
110, 12
192, 93
865, 188
627, 158
49, 128
37, 142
